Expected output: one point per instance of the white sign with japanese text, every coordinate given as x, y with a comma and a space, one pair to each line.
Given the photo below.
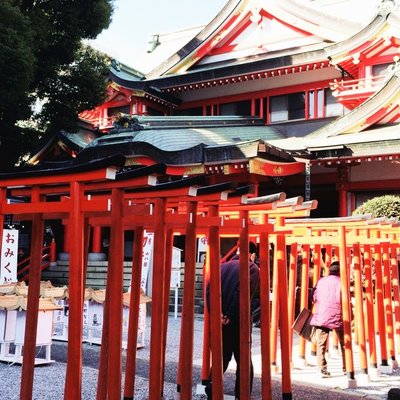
147, 257
201, 249
9, 256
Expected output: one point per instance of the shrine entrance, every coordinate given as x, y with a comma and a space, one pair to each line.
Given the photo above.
95, 195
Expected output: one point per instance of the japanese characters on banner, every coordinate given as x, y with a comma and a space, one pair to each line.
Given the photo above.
9, 256
201, 249
147, 258
176, 268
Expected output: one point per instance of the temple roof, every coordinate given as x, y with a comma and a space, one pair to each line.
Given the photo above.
195, 143
252, 37
378, 142
251, 28
189, 140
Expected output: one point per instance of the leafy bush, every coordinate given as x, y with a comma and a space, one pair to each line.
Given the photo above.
382, 206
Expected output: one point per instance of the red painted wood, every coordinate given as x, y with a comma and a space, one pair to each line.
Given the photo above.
205, 366
134, 303
90, 186
73, 382
381, 184
265, 315
342, 203
157, 322
359, 309
187, 324
346, 307
102, 379
274, 311
96, 240
387, 288
224, 28
261, 93
283, 316
316, 276
305, 267
396, 293
369, 305
292, 288
66, 236
28, 364
244, 302
169, 243
215, 306
115, 275
379, 303
226, 45
88, 176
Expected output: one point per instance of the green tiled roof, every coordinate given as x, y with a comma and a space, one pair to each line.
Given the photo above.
179, 139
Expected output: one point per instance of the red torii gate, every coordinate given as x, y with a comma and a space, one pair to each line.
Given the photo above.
94, 195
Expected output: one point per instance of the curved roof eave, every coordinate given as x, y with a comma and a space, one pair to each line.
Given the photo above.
193, 44
300, 14
341, 51
140, 85
251, 65
333, 27
371, 136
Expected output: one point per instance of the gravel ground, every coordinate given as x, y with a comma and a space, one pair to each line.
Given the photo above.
49, 379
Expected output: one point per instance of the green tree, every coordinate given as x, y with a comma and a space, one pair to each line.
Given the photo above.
43, 61
382, 206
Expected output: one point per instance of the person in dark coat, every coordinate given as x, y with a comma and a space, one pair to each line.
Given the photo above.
230, 312
327, 315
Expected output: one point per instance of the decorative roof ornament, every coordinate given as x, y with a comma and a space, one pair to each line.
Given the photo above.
115, 64
389, 5
154, 41
125, 122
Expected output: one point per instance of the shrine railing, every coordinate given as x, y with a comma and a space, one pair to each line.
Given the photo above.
48, 256
357, 86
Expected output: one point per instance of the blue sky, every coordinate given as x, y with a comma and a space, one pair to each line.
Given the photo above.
127, 37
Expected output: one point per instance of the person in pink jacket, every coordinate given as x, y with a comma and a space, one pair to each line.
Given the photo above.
327, 315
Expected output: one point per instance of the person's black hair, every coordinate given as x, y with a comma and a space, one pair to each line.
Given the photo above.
334, 268
252, 248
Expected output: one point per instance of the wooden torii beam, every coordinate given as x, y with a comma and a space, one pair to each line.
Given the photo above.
87, 196
361, 233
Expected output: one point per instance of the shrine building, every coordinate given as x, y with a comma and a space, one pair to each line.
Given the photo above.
289, 96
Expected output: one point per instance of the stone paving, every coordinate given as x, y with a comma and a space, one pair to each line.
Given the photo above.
306, 385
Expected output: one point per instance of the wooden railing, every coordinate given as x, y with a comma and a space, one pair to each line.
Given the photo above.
48, 256
100, 122
358, 86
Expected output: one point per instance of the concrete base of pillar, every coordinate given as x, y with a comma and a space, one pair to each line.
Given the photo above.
385, 369
300, 363
200, 389
274, 369
91, 256
351, 384
363, 379
97, 257
374, 373
63, 256
395, 364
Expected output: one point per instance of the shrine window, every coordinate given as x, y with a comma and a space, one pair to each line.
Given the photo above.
237, 108
381, 69
189, 111
114, 111
332, 107
287, 107
318, 103
154, 112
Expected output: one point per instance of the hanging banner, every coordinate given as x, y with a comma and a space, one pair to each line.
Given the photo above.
147, 257
9, 256
201, 249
